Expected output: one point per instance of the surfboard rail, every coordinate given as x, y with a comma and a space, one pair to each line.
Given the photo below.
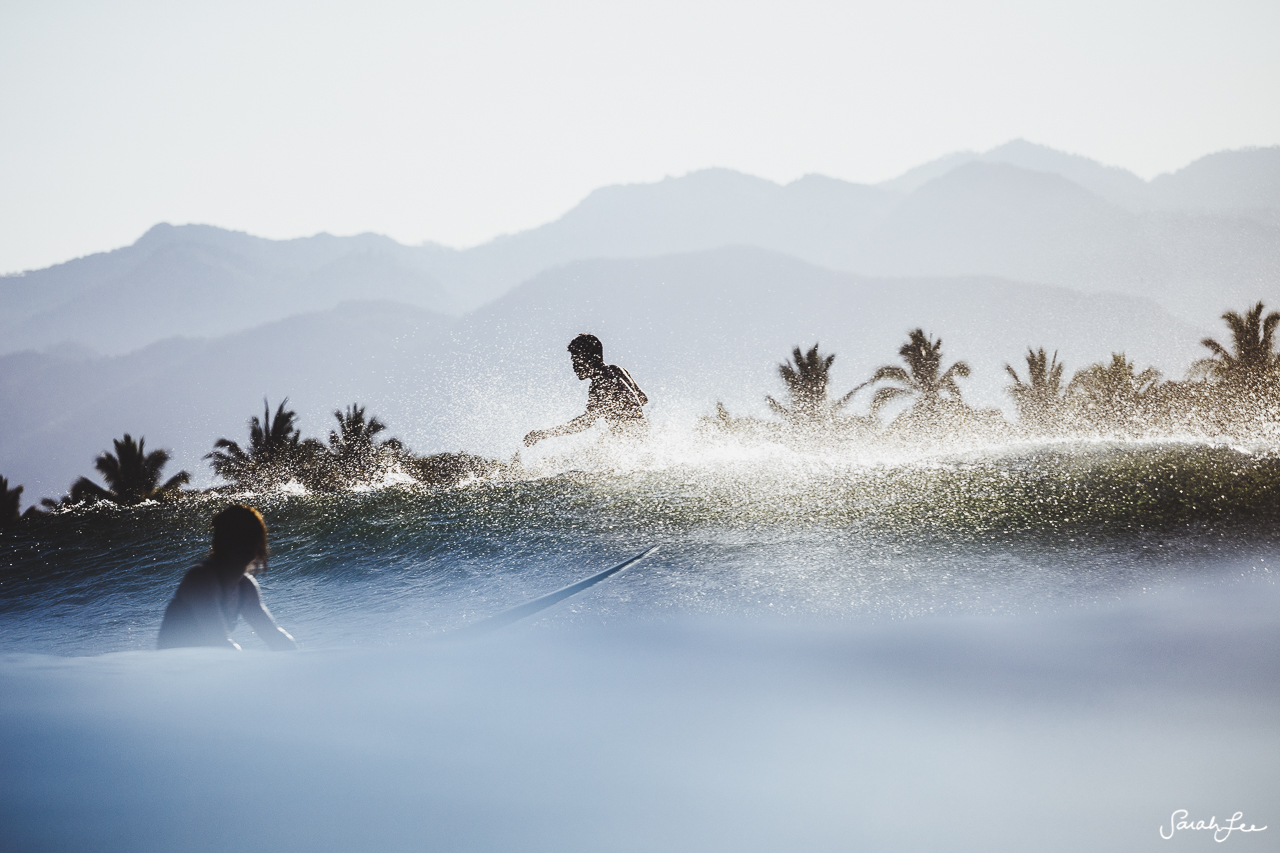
515, 614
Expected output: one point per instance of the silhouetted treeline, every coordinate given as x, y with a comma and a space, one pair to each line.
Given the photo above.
275, 455
1234, 391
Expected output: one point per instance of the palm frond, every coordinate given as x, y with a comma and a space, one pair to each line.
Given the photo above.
85, 489
891, 373
777, 407
1216, 348
845, 400
884, 396
174, 483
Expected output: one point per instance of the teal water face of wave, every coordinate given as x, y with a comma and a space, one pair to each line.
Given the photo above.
744, 534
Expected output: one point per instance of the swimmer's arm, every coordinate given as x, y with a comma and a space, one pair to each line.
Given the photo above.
259, 618
582, 422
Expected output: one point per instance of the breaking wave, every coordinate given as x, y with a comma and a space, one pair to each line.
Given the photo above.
747, 530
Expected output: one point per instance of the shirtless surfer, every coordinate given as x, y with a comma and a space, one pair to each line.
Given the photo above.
613, 395
216, 592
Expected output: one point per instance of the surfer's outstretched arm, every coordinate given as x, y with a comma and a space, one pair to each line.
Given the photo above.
259, 618
582, 422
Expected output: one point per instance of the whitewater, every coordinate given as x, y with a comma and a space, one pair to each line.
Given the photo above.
1047, 645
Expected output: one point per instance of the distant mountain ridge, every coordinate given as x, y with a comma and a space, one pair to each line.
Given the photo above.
1118, 186
1198, 241
1245, 180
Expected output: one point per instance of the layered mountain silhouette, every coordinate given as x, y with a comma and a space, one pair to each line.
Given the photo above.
200, 280
692, 328
1197, 241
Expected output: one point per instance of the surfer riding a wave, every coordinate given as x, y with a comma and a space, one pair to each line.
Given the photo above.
613, 395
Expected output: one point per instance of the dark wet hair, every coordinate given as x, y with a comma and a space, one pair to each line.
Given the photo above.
240, 533
588, 345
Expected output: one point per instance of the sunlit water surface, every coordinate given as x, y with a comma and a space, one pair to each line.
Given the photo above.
744, 532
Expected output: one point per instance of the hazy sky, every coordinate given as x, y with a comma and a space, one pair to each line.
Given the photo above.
457, 121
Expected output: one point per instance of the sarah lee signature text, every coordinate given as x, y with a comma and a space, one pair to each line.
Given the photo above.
1221, 832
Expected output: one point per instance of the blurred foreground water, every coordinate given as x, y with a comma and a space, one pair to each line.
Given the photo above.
1047, 647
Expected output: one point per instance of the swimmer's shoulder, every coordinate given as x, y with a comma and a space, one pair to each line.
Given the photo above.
200, 578
249, 587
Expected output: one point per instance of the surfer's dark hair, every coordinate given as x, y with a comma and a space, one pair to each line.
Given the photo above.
240, 533
587, 345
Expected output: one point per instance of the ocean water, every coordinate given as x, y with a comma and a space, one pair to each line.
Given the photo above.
1047, 646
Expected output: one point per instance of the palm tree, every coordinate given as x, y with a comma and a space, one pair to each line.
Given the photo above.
273, 454
1248, 373
1040, 398
132, 475
934, 389
353, 448
806, 376
1115, 395
10, 502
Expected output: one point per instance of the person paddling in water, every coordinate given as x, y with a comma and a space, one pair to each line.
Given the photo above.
613, 395
216, 592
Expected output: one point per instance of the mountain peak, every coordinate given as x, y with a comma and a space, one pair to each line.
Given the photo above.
1116, 185
1244, 179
